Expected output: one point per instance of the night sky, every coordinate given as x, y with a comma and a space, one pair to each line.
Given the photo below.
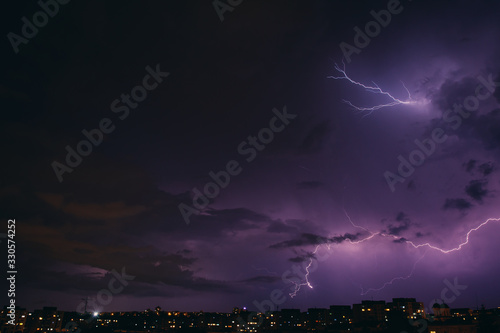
244, 93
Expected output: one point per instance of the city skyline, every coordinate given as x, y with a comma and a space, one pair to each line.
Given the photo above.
401, 314
90, 309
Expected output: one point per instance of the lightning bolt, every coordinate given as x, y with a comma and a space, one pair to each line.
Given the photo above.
416, 246
373, 89
306, 283
298, 286
459, 247
371, 235
363, 292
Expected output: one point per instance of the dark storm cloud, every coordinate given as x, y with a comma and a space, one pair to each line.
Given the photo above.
453, 92
486, 168
309, 185
311, 239
470, 165
402, 217
152, 269
460, 204
91, 211
302, 257
159, 212
298, 259
305, 239
262, 279
214, 222
89, 204
149, 267
280, 227
404, 223
396, 230
340, 239
476, 189
482, 127
485, 128
400, 240
86, 222
289, 226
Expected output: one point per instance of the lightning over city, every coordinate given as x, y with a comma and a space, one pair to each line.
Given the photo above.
307, 282
234, 166
297, 285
